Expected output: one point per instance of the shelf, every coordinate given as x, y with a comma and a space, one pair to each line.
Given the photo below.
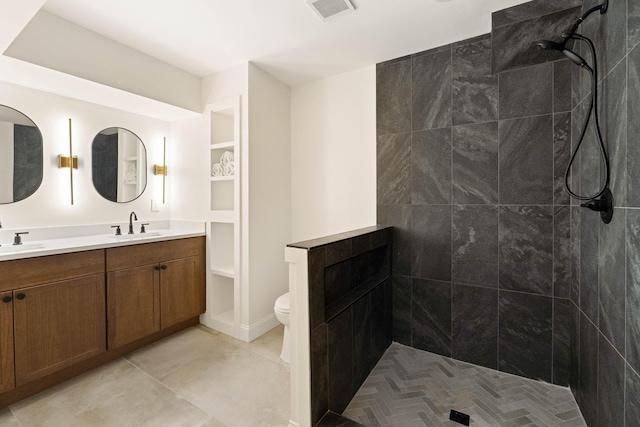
223, 216
345, 301
218, 145
223, 178
224, 270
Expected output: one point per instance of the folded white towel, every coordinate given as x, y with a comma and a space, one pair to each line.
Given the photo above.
228, 169
216, 170
226, 157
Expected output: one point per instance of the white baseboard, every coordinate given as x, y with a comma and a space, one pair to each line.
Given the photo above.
251, 332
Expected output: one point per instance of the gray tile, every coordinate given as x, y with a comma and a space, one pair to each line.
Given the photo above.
361, 340
475, 245
562, 317
561, 252
394, 169
431, 316
381, 319
610, 385
633, 23
589, 225
561, 156
633, 131
475, 163
393, 97
611, 283
526, 160
514, 45
320, 373
526, 238
611, 37
562, 86
588, 392
337, 281
401, 323
340, 348
631, 399
400, 218
633, 290
431, 91
525, 334
613, 121
529, 10
574, 350
474, 88
114, 394
431, 242
337, 251
410, 387
431, 167
474, 325
535, 84
575, 254
7, 419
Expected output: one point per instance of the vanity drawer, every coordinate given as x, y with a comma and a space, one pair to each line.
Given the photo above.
21, 273
152, 253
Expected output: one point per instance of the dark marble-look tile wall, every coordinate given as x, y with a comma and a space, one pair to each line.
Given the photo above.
509, 240
350, 303
474, 190
605, 259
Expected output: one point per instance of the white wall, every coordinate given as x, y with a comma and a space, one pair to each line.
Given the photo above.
333, 154
269, 200
50, 205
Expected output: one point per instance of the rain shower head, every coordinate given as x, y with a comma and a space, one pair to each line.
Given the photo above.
560, 47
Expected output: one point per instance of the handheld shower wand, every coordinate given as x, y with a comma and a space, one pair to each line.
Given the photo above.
605, 204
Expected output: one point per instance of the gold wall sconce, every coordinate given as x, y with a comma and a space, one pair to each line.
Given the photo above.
69, 161
162, 169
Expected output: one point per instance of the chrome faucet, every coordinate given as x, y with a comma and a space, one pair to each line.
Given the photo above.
132, 215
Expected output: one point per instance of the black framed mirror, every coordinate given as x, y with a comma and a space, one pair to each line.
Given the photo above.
118, 165
20, 156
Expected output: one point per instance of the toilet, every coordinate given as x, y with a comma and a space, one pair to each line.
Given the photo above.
281, 309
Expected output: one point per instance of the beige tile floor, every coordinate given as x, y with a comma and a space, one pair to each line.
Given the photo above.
196, 378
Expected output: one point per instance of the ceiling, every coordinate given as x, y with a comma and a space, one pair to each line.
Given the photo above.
283, 37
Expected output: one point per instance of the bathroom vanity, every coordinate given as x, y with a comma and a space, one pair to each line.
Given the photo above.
64, 314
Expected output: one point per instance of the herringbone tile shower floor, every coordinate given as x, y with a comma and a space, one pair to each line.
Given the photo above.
411, 387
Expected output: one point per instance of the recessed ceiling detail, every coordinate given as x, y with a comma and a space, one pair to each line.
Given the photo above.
330, 9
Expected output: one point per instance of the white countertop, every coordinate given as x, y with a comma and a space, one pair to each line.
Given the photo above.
38, 245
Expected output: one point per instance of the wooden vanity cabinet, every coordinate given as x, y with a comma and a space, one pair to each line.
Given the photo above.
57, 325
57, 312
153, 286
7, 377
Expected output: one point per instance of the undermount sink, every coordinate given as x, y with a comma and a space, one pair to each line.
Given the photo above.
20, 248
136, 235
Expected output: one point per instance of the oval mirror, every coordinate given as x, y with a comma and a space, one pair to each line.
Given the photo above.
118, 165
20, 156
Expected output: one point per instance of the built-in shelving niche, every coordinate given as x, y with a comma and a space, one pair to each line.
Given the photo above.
223, 282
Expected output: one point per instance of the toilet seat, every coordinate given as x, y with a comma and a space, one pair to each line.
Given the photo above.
282, 303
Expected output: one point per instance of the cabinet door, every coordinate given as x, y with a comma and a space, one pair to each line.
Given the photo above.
133, 304
7, 378
57, 325
182, 290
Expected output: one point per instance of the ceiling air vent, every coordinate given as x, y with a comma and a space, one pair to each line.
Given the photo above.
330, 9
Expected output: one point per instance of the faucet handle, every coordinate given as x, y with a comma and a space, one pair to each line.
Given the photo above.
142, 229
18, 240
118, 232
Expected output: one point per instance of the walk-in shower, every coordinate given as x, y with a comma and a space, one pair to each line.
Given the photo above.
602, 200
